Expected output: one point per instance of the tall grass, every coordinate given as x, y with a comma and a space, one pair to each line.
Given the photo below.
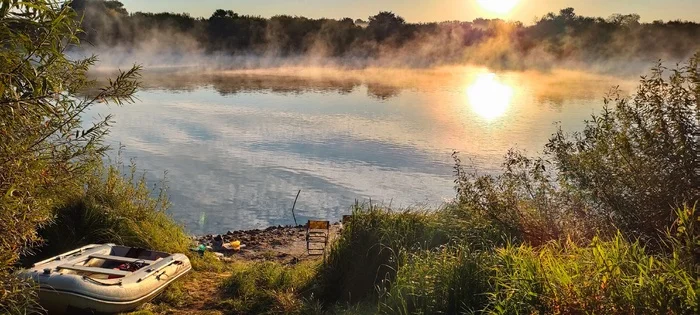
410, 263
612, 275
270, 288
18, 295
366, 254
449, 279
117, 209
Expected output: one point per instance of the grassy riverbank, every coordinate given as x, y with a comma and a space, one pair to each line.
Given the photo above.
404, 263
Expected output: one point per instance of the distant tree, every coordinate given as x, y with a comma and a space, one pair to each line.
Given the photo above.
567, 14
337, 37
117, 7
182, 22
108, 5
229, 31
102, 21
384, 25
624, 19
220, 13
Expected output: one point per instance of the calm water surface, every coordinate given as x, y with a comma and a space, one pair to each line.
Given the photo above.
237, 146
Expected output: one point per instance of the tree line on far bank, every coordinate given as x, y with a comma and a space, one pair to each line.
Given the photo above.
558, 36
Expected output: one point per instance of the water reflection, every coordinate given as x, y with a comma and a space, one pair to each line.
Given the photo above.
230, 84
237, 147
489, 97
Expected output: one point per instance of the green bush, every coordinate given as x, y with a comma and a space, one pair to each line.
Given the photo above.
588, 228
522, 204
640, 157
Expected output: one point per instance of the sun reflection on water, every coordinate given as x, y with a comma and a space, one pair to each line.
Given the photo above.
489, 97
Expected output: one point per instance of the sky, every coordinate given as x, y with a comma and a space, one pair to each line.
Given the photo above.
423, 10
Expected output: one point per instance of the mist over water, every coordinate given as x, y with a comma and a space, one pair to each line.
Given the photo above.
238, 144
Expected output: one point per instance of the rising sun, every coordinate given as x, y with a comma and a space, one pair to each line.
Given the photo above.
489, 96
498, 6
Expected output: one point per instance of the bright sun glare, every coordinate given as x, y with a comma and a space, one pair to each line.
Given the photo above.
489, 98
498, 6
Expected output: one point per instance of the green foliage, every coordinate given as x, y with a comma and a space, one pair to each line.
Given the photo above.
18, 296
114, 209
451, 280
31, 112
522, 204
639, 158
365, 256
270, 288
560, 277
44, 153
683, 238
605, 277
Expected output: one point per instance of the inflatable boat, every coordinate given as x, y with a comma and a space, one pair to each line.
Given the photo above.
104, 278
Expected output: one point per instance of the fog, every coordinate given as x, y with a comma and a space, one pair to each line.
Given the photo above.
617, 45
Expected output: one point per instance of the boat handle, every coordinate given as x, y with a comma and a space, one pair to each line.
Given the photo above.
159, 269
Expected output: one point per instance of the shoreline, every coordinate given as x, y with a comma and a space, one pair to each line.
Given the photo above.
284, 244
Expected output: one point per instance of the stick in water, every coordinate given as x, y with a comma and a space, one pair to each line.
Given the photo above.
294, 205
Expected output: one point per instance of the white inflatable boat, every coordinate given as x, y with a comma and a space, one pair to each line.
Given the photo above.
104, 278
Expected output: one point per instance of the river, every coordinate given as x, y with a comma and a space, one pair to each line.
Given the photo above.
238, 145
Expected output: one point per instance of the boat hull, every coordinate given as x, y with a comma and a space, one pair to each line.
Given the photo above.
66, 302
